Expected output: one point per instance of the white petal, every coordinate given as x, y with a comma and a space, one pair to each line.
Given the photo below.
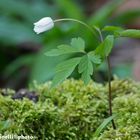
43, 25
40, 30
43, 21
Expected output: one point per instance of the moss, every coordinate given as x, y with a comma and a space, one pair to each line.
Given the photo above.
126, 104
73, 111
128, 109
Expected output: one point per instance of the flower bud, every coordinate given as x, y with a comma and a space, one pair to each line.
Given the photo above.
43, 25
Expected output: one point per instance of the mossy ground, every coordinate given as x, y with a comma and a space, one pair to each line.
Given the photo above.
73, 111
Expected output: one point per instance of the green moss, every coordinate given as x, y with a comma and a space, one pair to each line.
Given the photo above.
73, 111
128, 109
126, 104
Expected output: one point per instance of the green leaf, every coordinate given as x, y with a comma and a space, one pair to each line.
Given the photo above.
96, 59
85, 67
130, 33
61, 50
64, 69
112, 28
43, 68
78, 43
105, 47
103, 126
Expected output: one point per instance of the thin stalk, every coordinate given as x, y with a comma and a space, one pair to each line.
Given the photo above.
110, 91
109, 84
78, 21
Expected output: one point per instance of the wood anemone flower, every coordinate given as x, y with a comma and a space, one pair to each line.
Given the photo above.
43, 25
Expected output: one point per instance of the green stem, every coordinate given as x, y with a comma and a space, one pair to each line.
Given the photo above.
110, 91
78, 21
109, 84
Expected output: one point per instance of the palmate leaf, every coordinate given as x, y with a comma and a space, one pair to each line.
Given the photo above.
77, 46
105, 47
78, 43
85, 67
96, 59
61, 50
64, 69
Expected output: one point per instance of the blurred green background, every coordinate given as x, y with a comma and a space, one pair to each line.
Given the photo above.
22, 58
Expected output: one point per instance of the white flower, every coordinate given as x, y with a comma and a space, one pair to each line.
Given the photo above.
43, 25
